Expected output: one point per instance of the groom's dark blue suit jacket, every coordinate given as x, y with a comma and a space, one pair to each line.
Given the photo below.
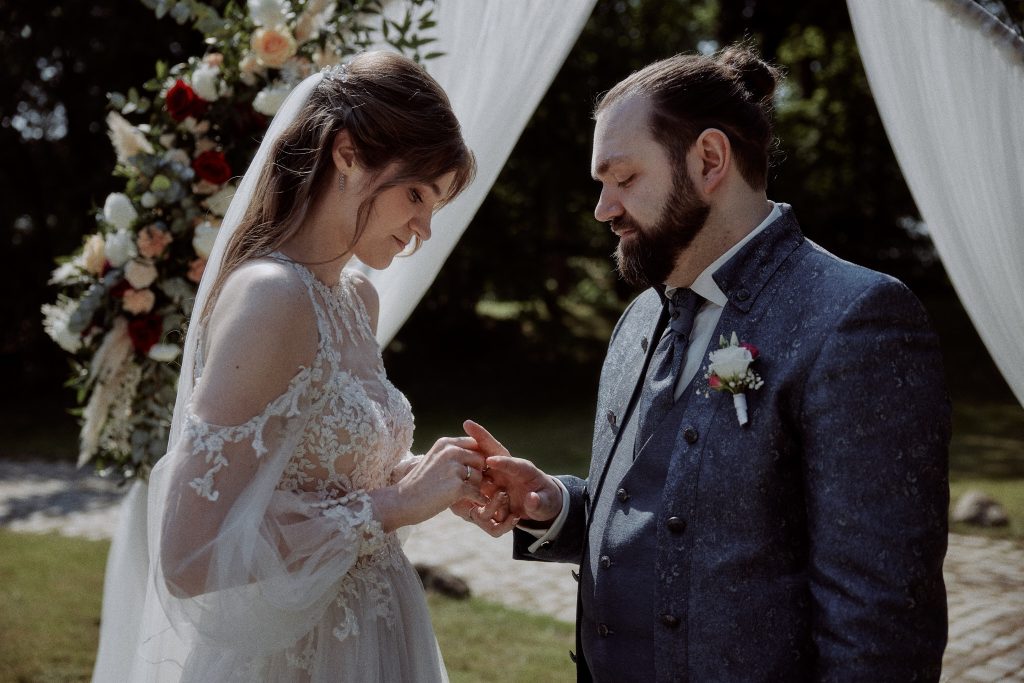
804, 546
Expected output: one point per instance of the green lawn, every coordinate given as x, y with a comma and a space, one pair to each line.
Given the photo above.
50, 591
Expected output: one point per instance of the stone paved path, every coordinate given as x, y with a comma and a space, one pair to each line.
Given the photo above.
984, 578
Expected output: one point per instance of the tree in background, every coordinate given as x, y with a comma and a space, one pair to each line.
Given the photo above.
541, 263
530, 284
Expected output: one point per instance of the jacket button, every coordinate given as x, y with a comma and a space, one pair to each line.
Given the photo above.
611, 418
690, 434
742, 295
676, 525
603, 630
545, 545
670, 620
605, 562
643, 344
575, 576
622, 495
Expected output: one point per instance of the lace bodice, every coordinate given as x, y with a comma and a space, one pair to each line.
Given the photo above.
359, 425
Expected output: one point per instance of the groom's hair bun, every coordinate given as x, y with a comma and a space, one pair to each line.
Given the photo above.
757, 76
731, 90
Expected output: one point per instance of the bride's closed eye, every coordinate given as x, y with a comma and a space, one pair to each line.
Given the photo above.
415, 197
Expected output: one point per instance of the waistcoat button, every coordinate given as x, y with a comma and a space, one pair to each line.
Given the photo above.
743, 295
622, 495
676, 525
670, 620
603, 630
606, 561
611, 418
690, 434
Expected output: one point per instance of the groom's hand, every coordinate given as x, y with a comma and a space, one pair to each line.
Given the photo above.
532, 494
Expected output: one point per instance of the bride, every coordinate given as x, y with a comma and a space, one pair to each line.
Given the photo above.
273, 515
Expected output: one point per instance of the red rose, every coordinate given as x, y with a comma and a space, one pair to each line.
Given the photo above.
714, 382
212, 167
145, 331
750, 347
183, 102
118, 290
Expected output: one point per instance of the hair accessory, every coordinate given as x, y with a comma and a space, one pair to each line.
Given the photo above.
341, 182
338, 72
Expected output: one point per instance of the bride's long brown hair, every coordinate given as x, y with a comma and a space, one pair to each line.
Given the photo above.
394, 112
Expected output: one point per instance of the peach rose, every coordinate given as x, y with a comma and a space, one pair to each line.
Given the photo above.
138, 301
273, 46
94, 255
152, 241
140, 274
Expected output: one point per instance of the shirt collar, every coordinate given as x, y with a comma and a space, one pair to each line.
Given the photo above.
705, 285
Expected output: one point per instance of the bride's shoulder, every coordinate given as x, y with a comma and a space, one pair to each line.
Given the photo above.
267, 299
365, 290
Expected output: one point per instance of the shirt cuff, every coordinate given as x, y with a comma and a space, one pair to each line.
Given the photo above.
551, 533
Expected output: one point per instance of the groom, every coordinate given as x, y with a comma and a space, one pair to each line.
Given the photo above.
805, 544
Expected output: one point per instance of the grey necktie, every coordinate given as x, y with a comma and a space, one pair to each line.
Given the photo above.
663, 374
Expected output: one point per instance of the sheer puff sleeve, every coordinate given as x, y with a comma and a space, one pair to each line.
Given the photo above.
240, 563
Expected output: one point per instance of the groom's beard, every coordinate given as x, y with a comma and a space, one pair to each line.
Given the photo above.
647, 256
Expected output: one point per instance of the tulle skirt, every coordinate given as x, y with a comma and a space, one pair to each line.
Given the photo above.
376, 629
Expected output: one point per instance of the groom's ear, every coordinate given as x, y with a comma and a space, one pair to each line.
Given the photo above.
713, 156
343, 151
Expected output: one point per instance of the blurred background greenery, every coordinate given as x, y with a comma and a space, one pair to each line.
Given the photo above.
513, 330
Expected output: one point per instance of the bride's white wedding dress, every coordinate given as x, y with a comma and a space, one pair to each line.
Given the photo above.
298, 581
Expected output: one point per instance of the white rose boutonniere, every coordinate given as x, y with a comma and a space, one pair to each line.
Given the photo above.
730, 372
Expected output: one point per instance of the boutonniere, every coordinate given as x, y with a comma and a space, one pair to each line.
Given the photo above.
730, 372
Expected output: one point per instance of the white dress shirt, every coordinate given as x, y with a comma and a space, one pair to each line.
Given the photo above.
704, 325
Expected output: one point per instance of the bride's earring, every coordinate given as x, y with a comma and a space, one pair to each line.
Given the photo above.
341, 182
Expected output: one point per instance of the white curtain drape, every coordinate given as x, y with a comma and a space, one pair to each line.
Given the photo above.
500, 58
948, 79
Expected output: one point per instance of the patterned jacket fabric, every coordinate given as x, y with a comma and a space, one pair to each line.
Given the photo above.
806, 545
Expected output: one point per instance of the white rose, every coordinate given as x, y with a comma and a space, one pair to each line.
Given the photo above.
267, 12
730, 363
120, 247
203, 240
164, 353
119, 211
204, 81
270, 99
140, 274
219, 202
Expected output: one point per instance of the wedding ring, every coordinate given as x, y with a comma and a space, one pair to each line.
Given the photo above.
469, 473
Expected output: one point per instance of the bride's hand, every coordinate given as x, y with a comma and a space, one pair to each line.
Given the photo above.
448, 473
